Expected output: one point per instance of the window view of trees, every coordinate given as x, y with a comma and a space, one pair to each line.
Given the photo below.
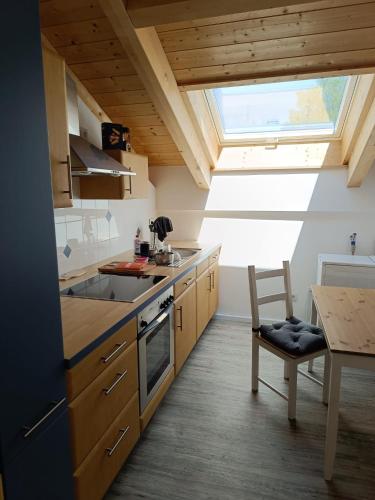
305, 105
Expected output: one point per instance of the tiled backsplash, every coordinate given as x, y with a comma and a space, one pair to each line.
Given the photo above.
93, 230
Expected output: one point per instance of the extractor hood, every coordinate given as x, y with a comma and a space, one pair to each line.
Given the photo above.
87, 159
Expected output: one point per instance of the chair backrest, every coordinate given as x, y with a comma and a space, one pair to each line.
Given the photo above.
256, 301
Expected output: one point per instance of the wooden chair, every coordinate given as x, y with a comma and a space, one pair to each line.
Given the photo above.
291, 361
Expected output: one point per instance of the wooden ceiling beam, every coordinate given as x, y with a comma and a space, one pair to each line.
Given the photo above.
144, 13
363, 97
146, 54
363, 156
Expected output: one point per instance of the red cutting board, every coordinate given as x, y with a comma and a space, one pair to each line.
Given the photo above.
112, 268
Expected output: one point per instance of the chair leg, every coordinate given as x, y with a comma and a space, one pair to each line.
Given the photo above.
311, 366
286, 370
327, 368
292, 393
254, 364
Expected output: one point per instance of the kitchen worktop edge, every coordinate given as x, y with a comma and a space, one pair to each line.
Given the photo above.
72, 358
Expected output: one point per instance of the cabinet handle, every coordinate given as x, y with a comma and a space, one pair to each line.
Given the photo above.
70, 183
30, 429
118, 347
209, 278
130, 185
180, 310
213, 280
188, 281
110, 451
120, 376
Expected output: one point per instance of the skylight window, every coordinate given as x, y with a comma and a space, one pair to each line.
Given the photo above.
281, 111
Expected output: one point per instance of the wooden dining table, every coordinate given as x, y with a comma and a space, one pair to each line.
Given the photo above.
347, 316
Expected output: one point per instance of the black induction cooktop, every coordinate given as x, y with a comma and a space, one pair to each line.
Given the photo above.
113, 287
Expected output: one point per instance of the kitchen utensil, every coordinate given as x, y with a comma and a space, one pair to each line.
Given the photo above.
164, 258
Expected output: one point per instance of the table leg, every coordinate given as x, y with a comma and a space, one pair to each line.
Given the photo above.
332, 417
313, 321
314, 313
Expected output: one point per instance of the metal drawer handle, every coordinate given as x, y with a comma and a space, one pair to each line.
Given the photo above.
120, 376
209, 277
213, 280
118, 348
70, 182
130, 184
29, 430
110, 451
180, 310
188, 281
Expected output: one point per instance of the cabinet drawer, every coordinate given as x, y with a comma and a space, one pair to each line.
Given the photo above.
95, 363
184, 283
97, 472
96, 407
202, 267
214, 257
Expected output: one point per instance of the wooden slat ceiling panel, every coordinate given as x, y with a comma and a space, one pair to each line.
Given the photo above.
338, 37
56, 12
259, 14
276, 27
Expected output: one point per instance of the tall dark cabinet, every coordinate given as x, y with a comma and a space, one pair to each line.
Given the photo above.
34, 438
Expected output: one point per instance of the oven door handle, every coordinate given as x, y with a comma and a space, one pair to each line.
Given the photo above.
157, 321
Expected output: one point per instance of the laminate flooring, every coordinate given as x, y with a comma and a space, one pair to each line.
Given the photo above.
211, 438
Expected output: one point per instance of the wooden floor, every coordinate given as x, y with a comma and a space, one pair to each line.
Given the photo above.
212, 439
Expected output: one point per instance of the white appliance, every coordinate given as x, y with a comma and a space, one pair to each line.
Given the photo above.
354, 271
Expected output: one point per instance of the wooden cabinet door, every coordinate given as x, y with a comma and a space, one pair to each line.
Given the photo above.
214, 290
44, 469
135, 186
203, 297
185, 325
57, 122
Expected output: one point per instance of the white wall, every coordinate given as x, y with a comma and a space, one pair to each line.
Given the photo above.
97, 229
263, 219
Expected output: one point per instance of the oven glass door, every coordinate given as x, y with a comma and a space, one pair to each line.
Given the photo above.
156, 350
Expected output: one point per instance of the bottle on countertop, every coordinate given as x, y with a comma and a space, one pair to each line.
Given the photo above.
137, 242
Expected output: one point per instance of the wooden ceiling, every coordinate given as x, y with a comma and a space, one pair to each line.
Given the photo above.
296, 41
310, 38
81, 33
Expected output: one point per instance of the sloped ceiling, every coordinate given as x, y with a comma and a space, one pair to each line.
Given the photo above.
321, 37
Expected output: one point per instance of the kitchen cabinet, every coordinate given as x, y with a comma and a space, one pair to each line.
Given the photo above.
181, 285
125, 187
185, 326
43, 470
103, 463
103, 391
34, 443
102, 401
203, 301
214, 289
1, 488
207, 294
57, 124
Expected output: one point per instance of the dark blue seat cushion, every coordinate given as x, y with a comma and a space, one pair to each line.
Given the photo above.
294, 336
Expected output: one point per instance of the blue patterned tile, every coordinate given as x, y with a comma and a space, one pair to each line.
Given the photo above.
108, 216
67, 251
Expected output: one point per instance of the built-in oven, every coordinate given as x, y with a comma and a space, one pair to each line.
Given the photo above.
155, 345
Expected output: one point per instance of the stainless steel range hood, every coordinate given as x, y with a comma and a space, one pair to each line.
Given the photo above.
87, 159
